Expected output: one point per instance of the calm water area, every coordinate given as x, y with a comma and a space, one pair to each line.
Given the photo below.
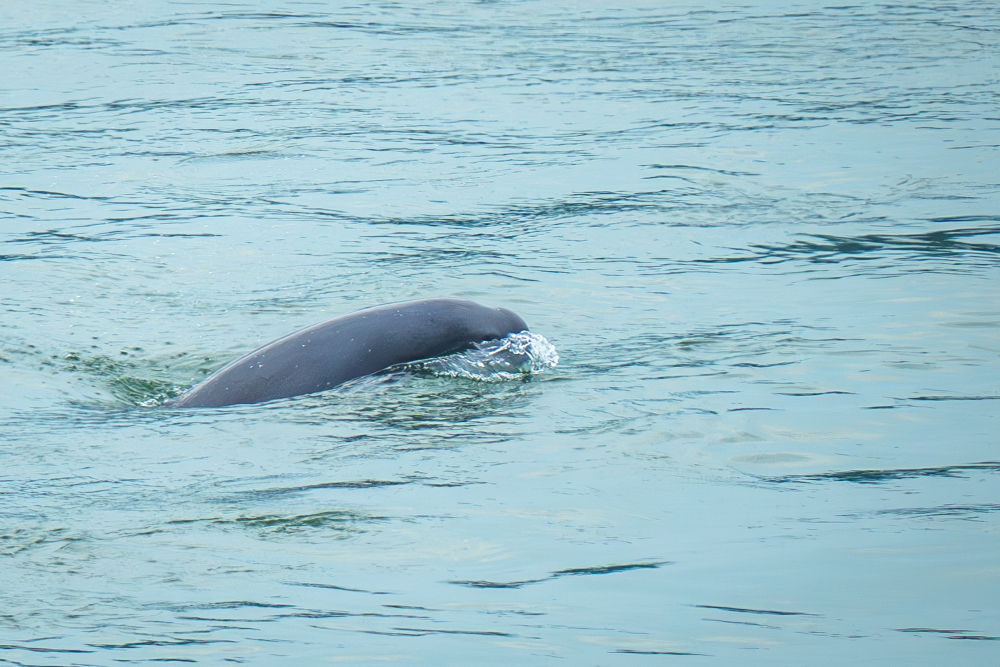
763, 238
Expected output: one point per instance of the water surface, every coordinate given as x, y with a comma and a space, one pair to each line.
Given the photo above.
764, 240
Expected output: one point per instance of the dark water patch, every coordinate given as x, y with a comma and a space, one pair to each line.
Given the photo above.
951, 398
515, 612
129, 378
522, 217
600, 569
877, 476
19, 540
931, 631
236, 15
52, 193
966, 218
245, 154
496, 584
951, 634
963, 512
18, 258
724, 172
440, 631
943, 250
445, 485
239, 604
395, 28
338, 519
608, 569
185, 608
223, 619
343, 523
114, 229
633, 651
748, 364
417, 405
352, 484
320, 614
41, 649
334, 587
142, 391
409, 606
424, 256
390, 633
750, 623
747, 610
52, 236
143, 643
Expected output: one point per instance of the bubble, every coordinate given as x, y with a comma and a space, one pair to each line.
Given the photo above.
512, 357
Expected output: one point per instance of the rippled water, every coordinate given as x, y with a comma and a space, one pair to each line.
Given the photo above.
763, 239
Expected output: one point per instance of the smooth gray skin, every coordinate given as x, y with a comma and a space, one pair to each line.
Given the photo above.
328, 354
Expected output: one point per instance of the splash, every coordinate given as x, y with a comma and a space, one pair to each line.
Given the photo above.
512, 357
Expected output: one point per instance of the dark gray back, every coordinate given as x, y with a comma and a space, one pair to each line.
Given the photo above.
325, 355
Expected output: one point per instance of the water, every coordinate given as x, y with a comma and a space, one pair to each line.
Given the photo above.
762, 239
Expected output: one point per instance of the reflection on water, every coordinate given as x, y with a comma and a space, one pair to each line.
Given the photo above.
763, 240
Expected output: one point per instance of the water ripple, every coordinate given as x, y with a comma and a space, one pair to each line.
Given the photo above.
945, 251
578, 571
878, 476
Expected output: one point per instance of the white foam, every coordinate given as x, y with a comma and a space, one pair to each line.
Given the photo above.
508, 358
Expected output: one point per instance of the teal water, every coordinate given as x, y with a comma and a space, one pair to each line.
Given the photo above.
763, 238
